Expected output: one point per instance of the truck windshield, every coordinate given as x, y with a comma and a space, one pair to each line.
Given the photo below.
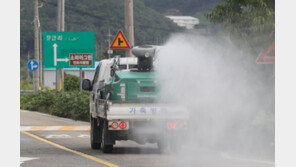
122, 67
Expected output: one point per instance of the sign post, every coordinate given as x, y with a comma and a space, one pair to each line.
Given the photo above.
80, 77
75, 49
69, 49
120, 42
33, 65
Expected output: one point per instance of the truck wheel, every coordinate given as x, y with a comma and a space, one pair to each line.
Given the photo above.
95, 134
175, 147
163, 146
106, 148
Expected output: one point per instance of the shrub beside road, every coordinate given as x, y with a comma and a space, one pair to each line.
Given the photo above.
70, 103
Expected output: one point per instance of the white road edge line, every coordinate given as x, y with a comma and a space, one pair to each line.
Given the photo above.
24, 159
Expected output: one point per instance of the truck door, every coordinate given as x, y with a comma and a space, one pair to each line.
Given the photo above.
94, 92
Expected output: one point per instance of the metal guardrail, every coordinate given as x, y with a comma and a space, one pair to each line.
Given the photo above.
26, 91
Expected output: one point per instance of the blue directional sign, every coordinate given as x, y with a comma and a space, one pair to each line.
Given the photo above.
33, 65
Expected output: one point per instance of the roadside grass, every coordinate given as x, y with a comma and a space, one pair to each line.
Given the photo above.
70, 103
67, 104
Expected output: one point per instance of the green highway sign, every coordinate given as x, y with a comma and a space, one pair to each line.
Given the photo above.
71, 49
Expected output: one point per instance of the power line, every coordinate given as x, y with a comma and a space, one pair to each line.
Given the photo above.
68, 8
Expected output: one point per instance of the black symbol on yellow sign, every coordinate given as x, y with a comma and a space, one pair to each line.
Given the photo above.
119, 41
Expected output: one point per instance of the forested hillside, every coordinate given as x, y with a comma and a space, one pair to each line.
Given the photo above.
93, 15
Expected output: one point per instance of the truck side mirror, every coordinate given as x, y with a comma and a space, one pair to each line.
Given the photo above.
86, 85
112, 72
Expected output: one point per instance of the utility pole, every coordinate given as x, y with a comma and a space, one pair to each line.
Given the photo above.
40, 58
101, 50
36, 46
40, 52
110, 52
28, 69
129, 24
60, 27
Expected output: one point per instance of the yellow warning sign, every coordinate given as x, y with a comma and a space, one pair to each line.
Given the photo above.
119, 42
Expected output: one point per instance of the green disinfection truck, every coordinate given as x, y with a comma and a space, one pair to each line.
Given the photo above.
125, 104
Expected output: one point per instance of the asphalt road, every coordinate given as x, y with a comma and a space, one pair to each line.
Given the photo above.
48, 141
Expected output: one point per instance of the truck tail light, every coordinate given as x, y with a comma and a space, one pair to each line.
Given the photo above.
172, 125
114, 125
176, 125
122, 125
118, 125
181, 125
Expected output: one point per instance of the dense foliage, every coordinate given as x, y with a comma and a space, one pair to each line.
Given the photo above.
245, 16
252, 20
71, 82
72, 104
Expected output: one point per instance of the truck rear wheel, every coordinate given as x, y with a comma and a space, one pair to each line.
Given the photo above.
105, 146
163, 146
95, 134
168, 146
175, 146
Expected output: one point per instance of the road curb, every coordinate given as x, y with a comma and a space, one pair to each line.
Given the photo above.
54, 128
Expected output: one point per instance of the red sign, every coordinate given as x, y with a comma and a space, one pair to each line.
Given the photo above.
80, 59
120, 42
267, 56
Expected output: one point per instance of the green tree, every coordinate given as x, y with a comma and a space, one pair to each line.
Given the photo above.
250, 20
244, 17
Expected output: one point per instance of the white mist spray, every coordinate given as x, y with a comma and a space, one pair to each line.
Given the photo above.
230, 97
